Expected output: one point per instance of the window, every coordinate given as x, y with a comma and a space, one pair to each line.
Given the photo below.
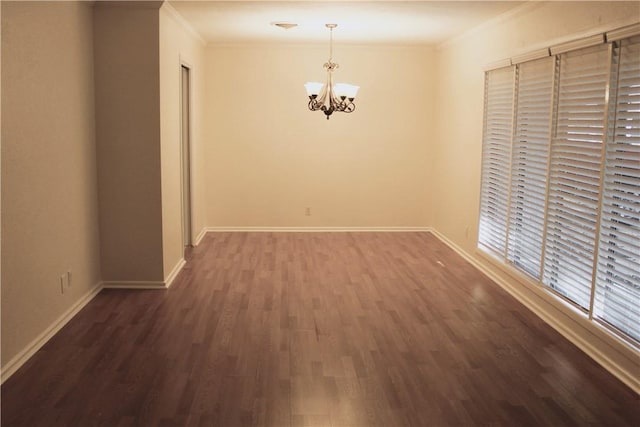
560, 195
576, 158
496, 152
529, 164
617, 299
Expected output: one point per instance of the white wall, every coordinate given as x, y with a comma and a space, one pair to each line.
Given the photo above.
268, 157
49, 202
178, 46
458, 141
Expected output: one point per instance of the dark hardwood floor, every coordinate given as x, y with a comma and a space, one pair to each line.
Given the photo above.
314, 329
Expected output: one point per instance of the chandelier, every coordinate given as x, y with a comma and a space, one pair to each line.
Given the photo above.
329, 98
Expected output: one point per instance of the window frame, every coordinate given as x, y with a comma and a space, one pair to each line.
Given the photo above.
611, 101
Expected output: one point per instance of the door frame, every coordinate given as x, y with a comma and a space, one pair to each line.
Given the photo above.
186, 177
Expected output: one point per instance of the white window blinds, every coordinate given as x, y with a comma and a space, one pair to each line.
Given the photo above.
529, 164
576, 158
496, 153
560, 194
617, 299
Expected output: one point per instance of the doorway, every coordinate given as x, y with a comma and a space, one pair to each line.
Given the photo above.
185, 144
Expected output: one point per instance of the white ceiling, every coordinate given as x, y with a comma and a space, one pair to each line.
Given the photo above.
375, 22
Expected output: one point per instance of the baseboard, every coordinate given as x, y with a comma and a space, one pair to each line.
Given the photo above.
623, 374
124, 284
317, 229
146, 284
200, 236
16, 362
174, 273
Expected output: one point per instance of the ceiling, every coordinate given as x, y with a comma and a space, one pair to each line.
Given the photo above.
359, 22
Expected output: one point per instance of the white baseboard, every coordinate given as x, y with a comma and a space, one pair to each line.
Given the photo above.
200, 236
316, 229
148, 284
131, 284
174, 273
550, 316
18, 360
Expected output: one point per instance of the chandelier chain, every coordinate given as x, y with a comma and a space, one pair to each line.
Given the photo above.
330, 44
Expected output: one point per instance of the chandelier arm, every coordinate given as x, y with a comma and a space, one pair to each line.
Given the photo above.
350, 107
322, 96
330, 86
314, 105
334, 101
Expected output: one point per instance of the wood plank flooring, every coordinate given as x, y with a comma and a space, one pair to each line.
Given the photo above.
314, 329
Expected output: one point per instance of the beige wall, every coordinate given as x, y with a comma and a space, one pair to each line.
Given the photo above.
128, 140
49, 202
268, 157
178, 46
458, 139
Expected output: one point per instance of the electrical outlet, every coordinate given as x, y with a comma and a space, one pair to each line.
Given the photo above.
62, 280
307, 211
69, 278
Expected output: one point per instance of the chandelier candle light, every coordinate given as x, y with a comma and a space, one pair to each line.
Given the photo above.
329, 97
